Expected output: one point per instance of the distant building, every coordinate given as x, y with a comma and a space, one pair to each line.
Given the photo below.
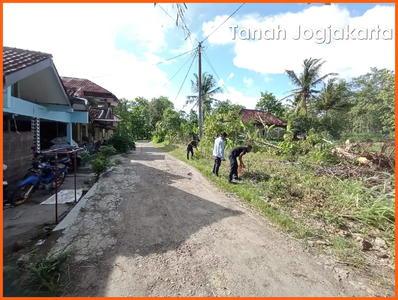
99, 102
261, 117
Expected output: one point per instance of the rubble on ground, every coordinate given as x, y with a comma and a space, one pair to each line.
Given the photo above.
362, 154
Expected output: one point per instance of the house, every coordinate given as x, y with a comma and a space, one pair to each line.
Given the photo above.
99, 102
35, 104
261, 118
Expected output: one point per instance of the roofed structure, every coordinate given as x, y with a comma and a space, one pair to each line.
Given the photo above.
15, 59
257, 115
84, 88
100, 101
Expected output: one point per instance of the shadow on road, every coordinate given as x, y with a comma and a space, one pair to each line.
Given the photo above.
167, 149
148, 157
160, 214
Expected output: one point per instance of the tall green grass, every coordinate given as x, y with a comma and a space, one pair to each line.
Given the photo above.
303, 204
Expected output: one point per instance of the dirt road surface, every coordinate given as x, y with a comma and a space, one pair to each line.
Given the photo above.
155, 226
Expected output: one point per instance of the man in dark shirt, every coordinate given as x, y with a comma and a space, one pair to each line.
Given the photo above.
190, 146
235, 153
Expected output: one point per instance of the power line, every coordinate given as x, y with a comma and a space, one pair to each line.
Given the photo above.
166, 12
184, 27
125, 70
122, 71
180, 69
211, 66
175, 57
190, 39
185, 77
223, 22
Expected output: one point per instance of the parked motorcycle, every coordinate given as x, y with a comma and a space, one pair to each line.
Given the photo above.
62, 143
44, 178
63, 164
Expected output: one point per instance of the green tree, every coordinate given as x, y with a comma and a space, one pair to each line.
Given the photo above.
269, 104
306, 82
171, 122
374, 99
226, 106
208, 89
123, 112
156, 109
140, 125
334, 96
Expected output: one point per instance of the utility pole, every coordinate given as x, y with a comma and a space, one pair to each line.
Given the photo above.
200, 90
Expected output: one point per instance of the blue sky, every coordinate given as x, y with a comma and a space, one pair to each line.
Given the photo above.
119, 48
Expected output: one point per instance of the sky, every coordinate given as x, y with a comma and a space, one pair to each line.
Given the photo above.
126, 48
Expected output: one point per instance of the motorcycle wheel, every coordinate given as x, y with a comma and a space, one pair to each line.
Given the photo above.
21, 194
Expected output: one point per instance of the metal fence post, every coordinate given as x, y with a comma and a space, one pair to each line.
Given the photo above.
56, 188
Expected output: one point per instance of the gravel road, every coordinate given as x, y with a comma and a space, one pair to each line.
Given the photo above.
156, 227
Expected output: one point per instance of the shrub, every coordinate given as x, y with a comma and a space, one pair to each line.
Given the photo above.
45, 273
100, 161
159, 136
121, 141
107, 151
100, 164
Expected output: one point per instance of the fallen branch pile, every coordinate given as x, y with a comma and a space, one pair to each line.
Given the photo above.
362, 154
344, 172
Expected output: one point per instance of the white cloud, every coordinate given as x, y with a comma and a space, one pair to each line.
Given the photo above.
221, 82
222, 35
188, 44
230, 76
347, 57
237, 97
248, 82
267, 79
86, 47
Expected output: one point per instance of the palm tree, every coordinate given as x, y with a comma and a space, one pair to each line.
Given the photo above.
207, 91
306, 82
334, 96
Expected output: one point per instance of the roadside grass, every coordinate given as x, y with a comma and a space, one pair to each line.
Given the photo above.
45, 277
309, 207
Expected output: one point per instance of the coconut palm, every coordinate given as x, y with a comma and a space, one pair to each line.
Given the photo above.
333, 96
207, 91
306, 82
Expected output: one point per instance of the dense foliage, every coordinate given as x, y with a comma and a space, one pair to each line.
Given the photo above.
302, 168
324, 104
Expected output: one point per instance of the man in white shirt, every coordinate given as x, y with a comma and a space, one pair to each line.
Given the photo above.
218, 152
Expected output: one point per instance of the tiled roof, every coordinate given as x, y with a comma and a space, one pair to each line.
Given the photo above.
15, 59
267, 118
97, 113
81, 88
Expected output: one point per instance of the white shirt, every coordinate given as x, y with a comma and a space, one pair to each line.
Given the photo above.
218, 150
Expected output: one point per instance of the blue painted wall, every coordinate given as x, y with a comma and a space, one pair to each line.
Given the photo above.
59, 113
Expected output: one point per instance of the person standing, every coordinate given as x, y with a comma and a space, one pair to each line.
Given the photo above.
193, 143
218, 152
235, 153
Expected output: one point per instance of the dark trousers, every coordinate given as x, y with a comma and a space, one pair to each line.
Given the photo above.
233, 173
189, 149
217, 164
